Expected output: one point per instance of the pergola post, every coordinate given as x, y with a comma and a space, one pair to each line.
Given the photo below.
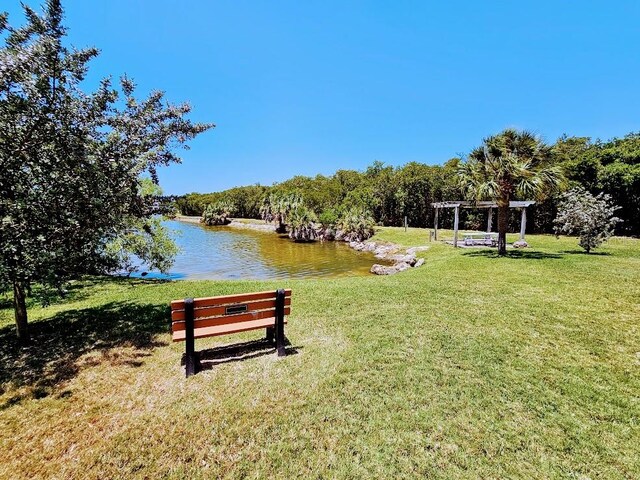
523, 223
435, 230
489, 219
455, 228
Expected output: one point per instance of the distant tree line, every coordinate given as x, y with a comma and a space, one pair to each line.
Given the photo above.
392, 193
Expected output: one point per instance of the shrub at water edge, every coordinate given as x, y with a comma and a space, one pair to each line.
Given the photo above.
217, 214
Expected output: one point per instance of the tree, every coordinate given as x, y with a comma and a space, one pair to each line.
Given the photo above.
621, 181
588, 216
576, 156
509, 165
72, 194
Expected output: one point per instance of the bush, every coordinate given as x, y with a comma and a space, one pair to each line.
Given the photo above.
589, 217
356, 225
217, 214
301, 225
328, 218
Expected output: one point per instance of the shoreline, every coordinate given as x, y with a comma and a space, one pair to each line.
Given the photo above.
261, 227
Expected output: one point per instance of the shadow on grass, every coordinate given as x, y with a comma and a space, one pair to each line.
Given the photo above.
60, 341
239, 352
583, 252
518, 254
80, 289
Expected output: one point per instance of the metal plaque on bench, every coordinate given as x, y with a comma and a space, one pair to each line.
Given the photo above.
233, 309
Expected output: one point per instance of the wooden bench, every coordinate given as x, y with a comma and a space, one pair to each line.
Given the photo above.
207, 317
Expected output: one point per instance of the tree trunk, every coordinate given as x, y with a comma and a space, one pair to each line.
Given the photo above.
20, 308
503, 222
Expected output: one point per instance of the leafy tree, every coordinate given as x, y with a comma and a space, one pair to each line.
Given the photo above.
245, 201
414, 193
621, 181
319, 192
588, 216
329, 218
190, 204
385, 189
578, 160
625, 150
509, 165
72, 198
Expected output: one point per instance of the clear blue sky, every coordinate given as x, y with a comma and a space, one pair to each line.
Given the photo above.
307, 87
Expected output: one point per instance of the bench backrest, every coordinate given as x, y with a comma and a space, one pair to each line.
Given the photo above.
228, 313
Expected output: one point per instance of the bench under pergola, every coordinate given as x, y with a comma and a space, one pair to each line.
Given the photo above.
456, 204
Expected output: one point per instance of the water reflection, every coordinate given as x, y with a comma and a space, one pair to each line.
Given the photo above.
228, 253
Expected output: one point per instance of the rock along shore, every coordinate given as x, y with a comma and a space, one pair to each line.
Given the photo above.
391, 252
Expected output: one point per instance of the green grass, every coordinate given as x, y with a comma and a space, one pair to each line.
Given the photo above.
471, 366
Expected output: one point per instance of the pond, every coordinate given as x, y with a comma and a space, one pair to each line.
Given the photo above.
232, 253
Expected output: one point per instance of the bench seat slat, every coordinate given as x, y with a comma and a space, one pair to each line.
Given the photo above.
227, 319
226, 299
225, 329
178, 315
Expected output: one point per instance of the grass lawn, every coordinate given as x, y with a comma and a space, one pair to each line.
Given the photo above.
471, 366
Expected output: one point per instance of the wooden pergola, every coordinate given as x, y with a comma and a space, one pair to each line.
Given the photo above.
482, 204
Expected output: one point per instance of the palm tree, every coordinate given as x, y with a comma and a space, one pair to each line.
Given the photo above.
217, 213
277, 207
356, 225
513, 164
301, 222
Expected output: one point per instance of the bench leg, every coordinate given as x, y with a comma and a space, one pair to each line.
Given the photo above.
191, 363
280, 323
280, 341
191, 358
270, 336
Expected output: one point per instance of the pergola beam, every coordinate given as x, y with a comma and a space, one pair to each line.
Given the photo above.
482, 204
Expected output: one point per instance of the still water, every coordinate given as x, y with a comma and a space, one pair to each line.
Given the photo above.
231, 253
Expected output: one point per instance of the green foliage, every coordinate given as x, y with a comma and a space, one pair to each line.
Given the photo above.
512, 164
329, 218
77, 167
356, 225
612, 167
575, 156
278, 206
192, 204
591, 218
621, 181
302, 224
146, 241
217, 213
